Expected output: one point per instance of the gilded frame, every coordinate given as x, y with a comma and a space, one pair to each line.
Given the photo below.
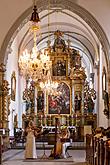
13, 86
68, 83
63, 58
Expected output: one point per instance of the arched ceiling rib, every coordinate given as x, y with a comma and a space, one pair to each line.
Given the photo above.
76, 31
82, 42
68, 7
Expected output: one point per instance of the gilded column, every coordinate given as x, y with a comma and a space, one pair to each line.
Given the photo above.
5, 102
4, 99
2, 70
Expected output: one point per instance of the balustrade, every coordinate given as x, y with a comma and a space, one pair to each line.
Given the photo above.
69, 120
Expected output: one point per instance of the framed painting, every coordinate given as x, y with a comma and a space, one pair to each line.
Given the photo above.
60, 102
13, 86
59, 67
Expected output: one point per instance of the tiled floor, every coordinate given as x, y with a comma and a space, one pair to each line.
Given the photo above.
16, 157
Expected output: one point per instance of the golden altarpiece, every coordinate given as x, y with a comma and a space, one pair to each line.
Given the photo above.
71, 101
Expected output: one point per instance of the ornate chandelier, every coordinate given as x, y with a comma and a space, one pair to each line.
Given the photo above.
34, 65
49, 85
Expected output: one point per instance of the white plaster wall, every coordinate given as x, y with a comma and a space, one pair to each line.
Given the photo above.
9, 13
100, 9
12, 65
101, 117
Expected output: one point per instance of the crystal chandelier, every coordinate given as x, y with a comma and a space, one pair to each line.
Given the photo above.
49, 85
34, 65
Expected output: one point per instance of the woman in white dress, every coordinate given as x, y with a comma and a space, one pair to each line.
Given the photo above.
65, 134
30, 149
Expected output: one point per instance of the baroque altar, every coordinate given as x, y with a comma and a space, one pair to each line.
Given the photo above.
72, 100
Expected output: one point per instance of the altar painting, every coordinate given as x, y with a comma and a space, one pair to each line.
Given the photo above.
60, 102
59, 67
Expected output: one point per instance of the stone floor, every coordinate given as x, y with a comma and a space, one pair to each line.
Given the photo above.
12, 157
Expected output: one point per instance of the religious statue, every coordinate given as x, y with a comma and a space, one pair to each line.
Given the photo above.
89, 97
59, 42
78, 61
72, 57
15, 121
106, 103
28, 97
27, 107
40, 101
77, 101
90, 105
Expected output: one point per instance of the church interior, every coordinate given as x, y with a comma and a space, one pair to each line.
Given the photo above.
55, 82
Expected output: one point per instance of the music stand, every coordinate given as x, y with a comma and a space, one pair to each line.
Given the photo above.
45, 132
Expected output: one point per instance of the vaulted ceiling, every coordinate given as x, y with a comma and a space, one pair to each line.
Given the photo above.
73, 27
68, 17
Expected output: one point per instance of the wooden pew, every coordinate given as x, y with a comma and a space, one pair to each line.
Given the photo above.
89, 149
95, 151
101, 152
107, 152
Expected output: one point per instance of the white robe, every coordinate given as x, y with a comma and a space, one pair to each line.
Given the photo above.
30, 149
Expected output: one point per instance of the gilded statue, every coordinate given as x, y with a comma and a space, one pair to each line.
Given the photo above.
59, 43
77, 102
